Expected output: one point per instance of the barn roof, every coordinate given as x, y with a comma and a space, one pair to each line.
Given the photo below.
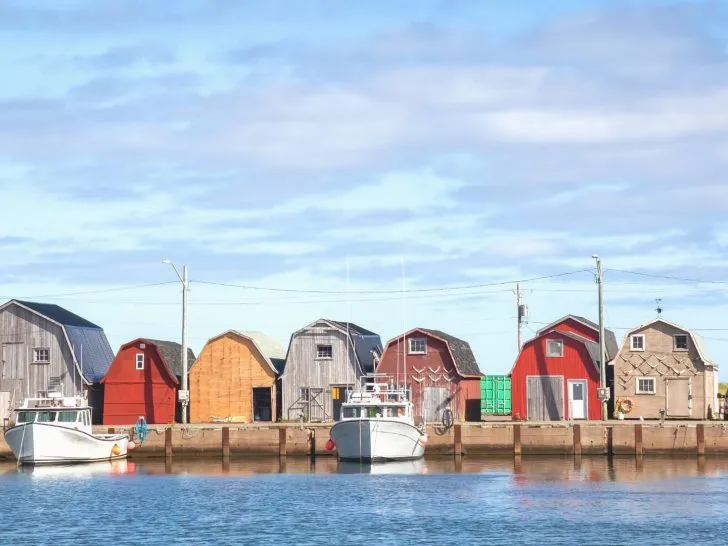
366, 343
353, 328
462, 354
610, 340
269, 348
88, 342
171, 353
591, 347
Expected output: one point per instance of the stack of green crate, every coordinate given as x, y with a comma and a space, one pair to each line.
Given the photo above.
495, 395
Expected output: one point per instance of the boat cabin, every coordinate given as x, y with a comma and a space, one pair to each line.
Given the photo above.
69, 412
377, 400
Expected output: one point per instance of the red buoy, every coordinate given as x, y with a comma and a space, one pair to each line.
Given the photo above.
330, 445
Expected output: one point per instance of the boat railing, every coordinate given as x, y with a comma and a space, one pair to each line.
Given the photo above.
52, 401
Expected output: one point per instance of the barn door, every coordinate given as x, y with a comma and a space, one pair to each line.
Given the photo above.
678, 397
545, 398
437, 400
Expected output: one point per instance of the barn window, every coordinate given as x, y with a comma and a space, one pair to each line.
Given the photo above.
41, 355
305, 394
554, 347
324, 351
140, 361
681, 342
637, 343
645, 385
418, 346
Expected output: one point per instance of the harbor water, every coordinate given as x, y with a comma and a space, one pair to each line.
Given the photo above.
537, 500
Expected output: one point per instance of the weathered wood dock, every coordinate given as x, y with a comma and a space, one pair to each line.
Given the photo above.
460, 440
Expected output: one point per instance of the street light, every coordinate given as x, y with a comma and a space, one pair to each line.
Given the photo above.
184, 395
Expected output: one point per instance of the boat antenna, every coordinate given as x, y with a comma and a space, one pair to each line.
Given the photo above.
348, 335
404, 329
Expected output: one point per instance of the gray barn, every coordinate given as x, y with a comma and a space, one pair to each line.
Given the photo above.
44, 347
321, 365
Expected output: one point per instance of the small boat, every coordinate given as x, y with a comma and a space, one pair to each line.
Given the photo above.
57, 430
377, 424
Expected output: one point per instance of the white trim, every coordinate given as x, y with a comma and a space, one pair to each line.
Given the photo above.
563, 397
637, 385
551, 326
37, 360
631, 342
586, 397
324, 345
674, 343
410, 340
138, 361
561, 348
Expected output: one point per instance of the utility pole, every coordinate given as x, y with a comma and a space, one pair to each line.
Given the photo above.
521, 312
184, 394
603, 394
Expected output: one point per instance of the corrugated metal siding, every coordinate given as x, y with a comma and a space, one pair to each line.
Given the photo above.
92, 351
575, 364
495, 395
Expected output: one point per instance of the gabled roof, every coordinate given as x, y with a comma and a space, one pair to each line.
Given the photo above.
269, 349
171, 353
592, 347
91, 352
460, 351
695, 337
610, 340
353, 328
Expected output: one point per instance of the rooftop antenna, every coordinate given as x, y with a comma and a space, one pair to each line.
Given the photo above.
659, 307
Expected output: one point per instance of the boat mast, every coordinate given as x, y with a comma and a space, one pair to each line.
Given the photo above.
404, 329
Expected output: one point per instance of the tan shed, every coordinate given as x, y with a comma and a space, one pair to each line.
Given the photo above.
662, 370
234, 379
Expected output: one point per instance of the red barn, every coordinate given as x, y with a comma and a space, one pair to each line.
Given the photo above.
440, 372
142, 381
556, 374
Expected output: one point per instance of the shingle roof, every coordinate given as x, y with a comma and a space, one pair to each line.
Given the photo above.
591, 347
364, 341
171, 353
465, 362
610, 340
353, 328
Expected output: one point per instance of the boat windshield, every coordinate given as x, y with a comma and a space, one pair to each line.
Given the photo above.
26, 416
67, 416
46, 417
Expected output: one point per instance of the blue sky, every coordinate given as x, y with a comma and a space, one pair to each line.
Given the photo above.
268, 144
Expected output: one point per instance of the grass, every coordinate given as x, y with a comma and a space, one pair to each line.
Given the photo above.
722, 387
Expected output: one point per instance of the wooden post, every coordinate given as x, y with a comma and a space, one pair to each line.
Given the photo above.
458, 437
517, 440
701, 439
225, 442
638, 440
282, 447
577, 440
610, 441
312, 443
168, 443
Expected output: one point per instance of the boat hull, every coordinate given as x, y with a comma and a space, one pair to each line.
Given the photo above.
373, 440
37, 443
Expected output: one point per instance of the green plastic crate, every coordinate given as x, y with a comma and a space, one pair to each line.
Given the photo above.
495, 395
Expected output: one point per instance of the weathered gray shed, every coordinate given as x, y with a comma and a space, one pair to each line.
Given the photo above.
323, 360
44, 347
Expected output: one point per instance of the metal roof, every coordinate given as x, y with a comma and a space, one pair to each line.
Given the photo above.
269, 348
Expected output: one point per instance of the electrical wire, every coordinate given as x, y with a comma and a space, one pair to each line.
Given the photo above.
102, 291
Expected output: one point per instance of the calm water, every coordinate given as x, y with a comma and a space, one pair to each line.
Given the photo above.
534, 501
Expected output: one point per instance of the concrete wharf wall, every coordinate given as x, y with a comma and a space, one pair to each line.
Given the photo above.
467, 439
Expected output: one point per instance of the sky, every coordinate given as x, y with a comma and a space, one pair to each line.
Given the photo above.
396, 164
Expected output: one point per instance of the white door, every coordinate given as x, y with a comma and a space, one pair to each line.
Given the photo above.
577, 399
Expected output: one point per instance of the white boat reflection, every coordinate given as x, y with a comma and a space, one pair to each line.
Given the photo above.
81, 470
393, 467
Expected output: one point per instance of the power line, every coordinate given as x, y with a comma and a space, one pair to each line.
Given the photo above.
435, 289
102, 291
669, 277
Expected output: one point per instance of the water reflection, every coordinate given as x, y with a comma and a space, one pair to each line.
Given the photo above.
522, 469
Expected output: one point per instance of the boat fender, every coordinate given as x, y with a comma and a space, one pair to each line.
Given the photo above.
423, 439
116, 450
131, 445
330, 445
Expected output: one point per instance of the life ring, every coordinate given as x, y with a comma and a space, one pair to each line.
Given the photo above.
625, 406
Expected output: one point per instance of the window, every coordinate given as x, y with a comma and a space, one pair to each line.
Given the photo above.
324, 351
67, 416
350, 413
41, 355
681, 342
637, 343
554, 347
46, 416
418, 346
26, 417
140, 361
305, 394
645, 385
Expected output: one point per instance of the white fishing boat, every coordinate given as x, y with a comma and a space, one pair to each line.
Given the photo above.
57, 430
377, 424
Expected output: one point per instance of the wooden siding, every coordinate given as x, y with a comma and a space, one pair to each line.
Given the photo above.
20, 332
130, 393
575, 327
430, 370
659, 360
223, 378
575, 364
304, 370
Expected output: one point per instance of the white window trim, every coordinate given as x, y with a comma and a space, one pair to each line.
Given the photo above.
411, 340
318, 353
35, 358
631, 342
637, 385
137, 361
674, 342
561, 345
